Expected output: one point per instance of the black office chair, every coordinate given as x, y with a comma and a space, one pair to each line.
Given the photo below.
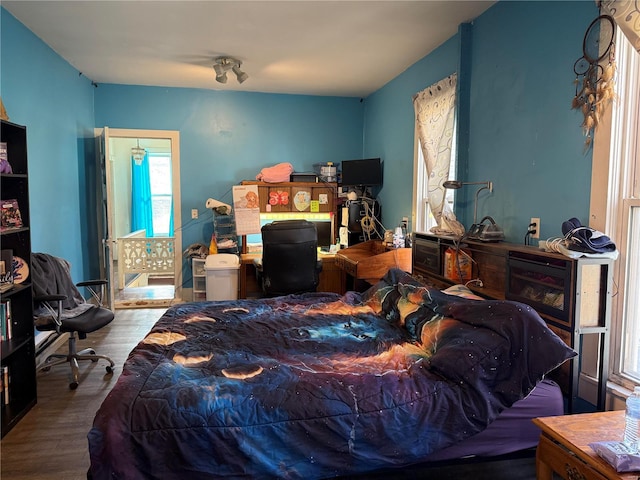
59, 306
289, 258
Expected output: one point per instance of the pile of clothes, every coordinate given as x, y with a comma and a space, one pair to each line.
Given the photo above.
586, 239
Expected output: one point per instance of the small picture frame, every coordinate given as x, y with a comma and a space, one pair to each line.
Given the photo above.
10, 216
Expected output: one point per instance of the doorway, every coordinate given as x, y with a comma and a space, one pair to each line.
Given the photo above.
141, 248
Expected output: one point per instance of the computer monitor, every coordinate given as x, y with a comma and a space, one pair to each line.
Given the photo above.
362, 173
323, 222
325, 233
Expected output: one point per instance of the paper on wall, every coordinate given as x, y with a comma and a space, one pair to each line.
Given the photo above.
246, 204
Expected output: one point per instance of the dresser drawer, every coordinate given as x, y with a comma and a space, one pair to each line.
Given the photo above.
426, 255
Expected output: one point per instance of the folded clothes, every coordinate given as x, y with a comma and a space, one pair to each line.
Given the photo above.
618, 454
586, 239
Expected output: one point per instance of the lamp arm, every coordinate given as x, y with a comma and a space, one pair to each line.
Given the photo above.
487, 186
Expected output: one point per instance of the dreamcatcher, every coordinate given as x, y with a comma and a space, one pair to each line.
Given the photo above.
594, 73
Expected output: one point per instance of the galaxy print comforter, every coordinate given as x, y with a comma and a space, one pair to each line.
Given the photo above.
316, 385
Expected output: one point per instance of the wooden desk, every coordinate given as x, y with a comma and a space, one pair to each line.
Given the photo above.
370, 261
564, 446
330, 276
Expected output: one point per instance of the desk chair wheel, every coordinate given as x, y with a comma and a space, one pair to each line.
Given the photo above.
73, 385
109, 369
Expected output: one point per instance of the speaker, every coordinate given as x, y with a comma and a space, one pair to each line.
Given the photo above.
357, 210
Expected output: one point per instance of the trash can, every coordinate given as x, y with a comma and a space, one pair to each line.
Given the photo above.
222, 276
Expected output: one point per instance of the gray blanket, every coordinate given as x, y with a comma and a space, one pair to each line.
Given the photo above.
52, 276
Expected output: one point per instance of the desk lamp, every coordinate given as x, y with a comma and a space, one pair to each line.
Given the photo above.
479, 231
455, 184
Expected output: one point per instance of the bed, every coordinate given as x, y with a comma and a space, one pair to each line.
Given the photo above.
320, 385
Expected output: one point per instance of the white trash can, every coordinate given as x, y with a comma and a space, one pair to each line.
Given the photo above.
222, 276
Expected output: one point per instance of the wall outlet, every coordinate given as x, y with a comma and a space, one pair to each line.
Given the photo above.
535, 225
405, 223
194, 213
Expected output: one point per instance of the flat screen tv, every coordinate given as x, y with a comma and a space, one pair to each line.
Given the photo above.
366, 172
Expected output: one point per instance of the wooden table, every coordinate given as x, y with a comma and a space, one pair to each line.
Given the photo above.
330, 276
564, 446
371, 260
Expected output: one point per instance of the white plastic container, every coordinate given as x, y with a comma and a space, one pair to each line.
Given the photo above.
222, 276
327, 171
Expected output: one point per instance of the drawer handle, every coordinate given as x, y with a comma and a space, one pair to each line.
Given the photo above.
573, 473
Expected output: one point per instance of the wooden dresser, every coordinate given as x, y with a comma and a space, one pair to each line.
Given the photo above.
573, 296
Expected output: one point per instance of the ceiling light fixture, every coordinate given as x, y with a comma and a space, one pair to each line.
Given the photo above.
138, 153
224, 64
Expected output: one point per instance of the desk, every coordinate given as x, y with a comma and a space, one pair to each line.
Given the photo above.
330, 276
370, 261
564, 446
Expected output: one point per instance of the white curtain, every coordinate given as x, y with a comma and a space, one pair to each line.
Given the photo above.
435, 114
626, 14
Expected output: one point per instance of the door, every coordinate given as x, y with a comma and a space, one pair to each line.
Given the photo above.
132, 287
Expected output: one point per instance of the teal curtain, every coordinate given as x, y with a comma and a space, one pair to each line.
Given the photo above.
141, 211
171, 219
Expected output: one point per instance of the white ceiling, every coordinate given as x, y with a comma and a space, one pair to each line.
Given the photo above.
338, 48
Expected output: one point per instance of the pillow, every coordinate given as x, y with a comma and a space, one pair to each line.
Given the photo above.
383, 297
276, 173
497, 344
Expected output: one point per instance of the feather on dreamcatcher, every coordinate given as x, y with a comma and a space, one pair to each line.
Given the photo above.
595, 72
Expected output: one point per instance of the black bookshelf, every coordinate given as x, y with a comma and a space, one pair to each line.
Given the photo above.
18, 394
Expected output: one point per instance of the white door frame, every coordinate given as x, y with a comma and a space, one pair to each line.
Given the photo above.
107, 237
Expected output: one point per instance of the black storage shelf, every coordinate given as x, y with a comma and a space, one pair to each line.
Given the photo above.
13, 175
18, 369
13, 345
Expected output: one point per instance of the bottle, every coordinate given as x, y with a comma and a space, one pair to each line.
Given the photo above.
632, 420
398, 238
213, 245
457, 265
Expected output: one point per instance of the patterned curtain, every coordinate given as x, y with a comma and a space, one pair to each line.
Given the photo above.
626, 13
435, 114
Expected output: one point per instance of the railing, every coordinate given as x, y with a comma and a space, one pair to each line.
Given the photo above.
142, 255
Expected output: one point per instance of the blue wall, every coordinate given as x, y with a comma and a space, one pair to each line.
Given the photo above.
523, 134
227, 137
42, 91
390, 125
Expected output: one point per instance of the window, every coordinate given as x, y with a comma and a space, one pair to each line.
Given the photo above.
623, 213
435, 129
161, 193
424, 218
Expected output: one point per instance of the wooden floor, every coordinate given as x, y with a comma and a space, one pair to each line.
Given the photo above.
50, 442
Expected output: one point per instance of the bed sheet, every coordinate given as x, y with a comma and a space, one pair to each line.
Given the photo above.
317, 385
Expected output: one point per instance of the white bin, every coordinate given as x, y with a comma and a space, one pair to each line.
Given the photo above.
222, 276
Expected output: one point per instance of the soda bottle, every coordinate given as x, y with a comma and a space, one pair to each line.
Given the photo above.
632, 420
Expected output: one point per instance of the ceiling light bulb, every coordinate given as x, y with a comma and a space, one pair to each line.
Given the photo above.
221, 78
240, 75
219, 69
